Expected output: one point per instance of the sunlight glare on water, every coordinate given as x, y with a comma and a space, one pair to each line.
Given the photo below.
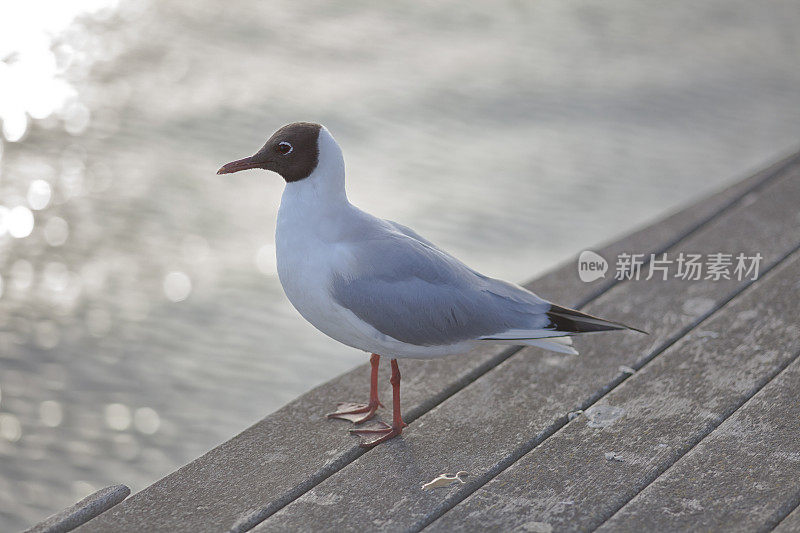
51, 413
118, 416
56, 231
39, 194
10, 428
31, 84
19, 222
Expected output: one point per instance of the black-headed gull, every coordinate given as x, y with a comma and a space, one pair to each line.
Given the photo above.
380, 287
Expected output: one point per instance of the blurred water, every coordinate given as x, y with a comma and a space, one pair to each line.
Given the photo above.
141, 321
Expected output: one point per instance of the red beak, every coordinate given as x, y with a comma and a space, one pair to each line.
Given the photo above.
242, 164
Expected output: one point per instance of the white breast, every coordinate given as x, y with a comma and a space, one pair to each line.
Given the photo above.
309, 254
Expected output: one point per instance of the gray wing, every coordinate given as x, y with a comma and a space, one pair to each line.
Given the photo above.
406, 288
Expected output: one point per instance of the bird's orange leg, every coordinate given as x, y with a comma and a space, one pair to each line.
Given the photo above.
360, 412
381, 432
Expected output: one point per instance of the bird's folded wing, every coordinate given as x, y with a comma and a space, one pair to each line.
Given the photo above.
416, 293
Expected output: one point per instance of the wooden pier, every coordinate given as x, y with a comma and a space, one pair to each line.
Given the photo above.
693, 427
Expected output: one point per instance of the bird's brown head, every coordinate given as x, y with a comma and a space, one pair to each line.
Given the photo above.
292, 152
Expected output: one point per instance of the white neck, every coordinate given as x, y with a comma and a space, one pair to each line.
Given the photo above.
324, 188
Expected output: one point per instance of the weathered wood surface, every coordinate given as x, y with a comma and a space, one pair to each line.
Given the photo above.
744, 476
479, 413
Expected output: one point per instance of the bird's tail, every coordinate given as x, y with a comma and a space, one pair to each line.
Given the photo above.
568, 321
564, 322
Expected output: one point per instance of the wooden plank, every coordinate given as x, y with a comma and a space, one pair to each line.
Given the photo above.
83, 511
570, 483
742, 477
501, 416
271, 463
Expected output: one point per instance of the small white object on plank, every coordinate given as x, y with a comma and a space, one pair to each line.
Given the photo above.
445, 480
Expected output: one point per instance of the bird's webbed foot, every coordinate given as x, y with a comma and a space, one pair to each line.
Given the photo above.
377, 432
356, 413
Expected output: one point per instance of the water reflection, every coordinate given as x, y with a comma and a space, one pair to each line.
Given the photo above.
10, 428
56, 231
47, 334
21, 274
50, 413
118, 416
146, 420
141, 320
33, 65
177, 286
39, 194
19, 222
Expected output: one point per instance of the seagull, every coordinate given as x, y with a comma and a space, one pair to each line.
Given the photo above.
380, 287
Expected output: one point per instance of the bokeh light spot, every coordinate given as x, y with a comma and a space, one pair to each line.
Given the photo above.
20, 222
177, 286
146, 420
10, 428
39, 193
76, 118
56, 231
50, 413
56, 276
14, 126
21, 274
118, 416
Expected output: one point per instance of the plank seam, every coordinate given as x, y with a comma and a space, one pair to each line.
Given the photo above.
756, 389
562, 421
784, 514
299, 490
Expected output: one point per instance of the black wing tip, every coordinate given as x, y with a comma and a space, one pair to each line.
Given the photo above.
573, 321
637, 330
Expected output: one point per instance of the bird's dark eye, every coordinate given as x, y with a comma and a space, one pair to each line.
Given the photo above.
284, 148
